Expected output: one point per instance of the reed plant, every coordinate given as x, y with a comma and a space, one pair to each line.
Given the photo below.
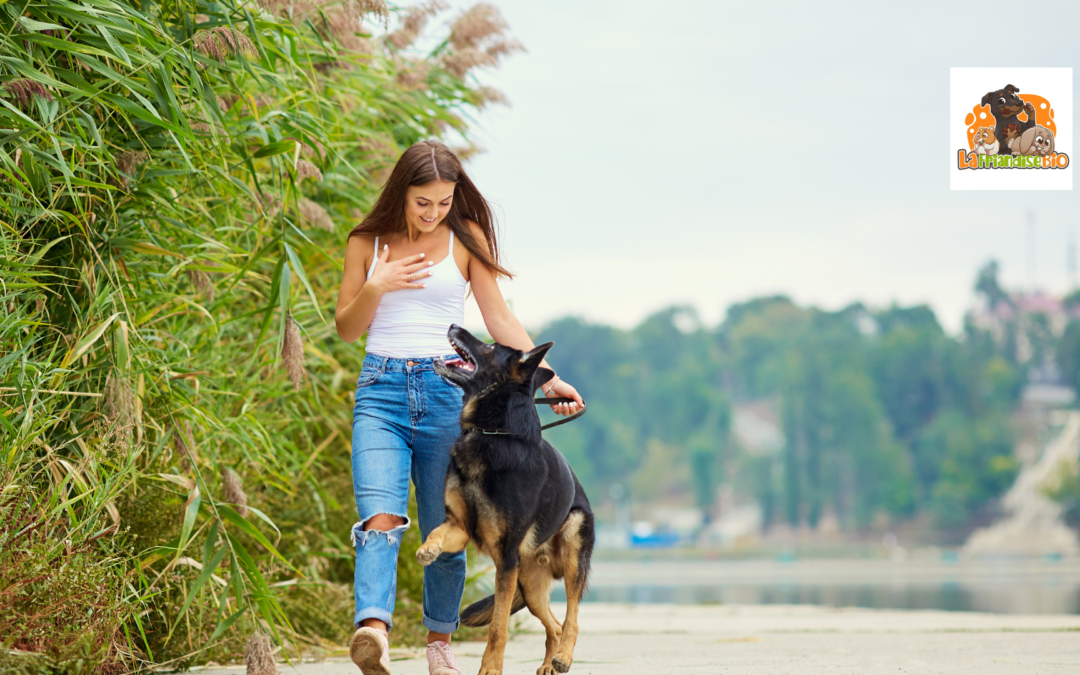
177, 180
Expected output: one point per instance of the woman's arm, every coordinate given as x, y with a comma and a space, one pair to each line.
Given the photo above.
358, 297
505, 328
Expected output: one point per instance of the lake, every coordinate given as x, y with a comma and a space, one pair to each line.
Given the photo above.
1028, 586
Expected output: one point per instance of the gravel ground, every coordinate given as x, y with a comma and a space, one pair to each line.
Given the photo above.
773, 639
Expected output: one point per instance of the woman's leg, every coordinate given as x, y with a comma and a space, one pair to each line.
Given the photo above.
444, 579
381, 462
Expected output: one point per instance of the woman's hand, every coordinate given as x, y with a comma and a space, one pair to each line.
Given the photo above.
564, 389
404, 273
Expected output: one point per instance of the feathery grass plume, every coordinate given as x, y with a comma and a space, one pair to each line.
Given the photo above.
202, 283
477, 39
436, 126
460, 61
376, 7
477, 24
292, 352
126, 164
319, 151
221, 42
269, 203
412, 73
119, 407
259, 657
325, 67
184, 445
343, 25
248, 102
464, 153
413, 23
315, 215
209, 129
277, 7
379, 152
489, 96
24, 90
305, 169
232, 491
119, 398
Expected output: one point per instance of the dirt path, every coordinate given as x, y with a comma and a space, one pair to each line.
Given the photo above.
777, 639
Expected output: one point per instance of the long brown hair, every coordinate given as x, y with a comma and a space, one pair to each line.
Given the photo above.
423, 163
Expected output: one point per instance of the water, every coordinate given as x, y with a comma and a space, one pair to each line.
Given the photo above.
1006, 586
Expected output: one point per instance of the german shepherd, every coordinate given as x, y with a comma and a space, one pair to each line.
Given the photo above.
515, 497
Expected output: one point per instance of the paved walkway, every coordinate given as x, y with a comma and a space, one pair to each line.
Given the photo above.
776, 639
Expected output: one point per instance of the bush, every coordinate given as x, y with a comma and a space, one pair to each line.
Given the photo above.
177, 182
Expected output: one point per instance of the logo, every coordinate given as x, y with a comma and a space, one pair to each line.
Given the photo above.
1014, 126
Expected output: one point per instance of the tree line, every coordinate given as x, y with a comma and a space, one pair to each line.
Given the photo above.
883, 414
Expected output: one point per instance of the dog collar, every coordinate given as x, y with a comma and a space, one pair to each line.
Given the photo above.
537, 401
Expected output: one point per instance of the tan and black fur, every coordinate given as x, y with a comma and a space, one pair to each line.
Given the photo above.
1005, 106
515, 497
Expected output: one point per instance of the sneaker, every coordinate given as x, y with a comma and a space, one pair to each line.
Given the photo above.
440, 659
370, 650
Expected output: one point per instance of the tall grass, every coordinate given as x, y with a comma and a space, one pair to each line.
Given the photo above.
176, 183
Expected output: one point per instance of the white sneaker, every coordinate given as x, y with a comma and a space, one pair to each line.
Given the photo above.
370, 650
440, 659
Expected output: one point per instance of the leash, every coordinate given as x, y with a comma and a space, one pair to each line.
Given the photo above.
538, 401
559, 399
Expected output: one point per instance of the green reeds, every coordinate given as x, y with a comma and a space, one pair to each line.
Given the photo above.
176, 185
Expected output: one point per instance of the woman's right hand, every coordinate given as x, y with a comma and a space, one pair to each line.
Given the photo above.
404, 273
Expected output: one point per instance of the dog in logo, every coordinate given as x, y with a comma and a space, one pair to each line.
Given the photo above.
1005, 105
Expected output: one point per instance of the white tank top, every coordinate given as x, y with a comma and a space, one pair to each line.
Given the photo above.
412, 323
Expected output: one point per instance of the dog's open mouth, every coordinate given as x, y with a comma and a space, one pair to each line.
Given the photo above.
464, 362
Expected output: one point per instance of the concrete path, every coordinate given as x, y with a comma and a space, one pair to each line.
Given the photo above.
775, 639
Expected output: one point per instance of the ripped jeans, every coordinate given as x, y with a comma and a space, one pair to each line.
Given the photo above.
405, 419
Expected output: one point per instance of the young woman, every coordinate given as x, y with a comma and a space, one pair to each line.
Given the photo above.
406, 269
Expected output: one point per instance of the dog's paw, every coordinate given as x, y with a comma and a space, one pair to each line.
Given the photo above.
546, 669
560, 665
427, 553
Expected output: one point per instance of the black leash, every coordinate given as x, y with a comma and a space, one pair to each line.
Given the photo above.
559, 399
538, 401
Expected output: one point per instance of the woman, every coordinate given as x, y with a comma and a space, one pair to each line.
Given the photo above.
406, 268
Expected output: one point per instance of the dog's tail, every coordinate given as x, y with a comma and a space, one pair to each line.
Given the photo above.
479, 613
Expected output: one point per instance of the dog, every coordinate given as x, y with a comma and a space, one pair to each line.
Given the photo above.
1005, 105
1037, 140
515, 497
983, 144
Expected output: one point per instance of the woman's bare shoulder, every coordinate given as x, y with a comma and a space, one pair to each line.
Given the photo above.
362, 240
360, 248
476, 231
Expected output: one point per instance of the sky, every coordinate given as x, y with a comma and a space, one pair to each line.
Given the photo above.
708, 153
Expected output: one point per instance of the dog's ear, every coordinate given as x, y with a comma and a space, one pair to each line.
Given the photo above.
1011, 88
531, 359
986, 99
541, 377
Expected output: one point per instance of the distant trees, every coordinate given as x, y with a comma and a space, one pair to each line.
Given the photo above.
882, 413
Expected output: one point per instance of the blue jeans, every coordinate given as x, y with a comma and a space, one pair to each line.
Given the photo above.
405, 420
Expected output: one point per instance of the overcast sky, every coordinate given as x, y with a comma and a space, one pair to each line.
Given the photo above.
708, 153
